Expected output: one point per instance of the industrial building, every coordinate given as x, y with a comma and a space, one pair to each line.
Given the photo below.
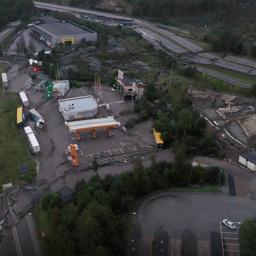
248, 160
131, 88
51, 32
78, 108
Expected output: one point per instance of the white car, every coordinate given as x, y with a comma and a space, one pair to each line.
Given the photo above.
229, 224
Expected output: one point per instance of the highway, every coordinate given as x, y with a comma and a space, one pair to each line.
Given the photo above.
162, 38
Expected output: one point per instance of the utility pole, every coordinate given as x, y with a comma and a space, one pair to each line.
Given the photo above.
171, 76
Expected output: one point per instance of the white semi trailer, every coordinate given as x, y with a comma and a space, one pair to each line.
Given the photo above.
33, 143
24, 99
5, 80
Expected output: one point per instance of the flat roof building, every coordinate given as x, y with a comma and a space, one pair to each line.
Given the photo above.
52, 31
78, 108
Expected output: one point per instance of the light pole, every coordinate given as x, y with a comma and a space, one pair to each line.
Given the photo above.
220, 172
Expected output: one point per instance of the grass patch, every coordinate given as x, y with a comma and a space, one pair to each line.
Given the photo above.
237, 75
41, 220
203, 188
2, 68
14, 153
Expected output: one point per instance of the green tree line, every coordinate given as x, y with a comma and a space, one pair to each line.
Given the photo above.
11, 10
96, 221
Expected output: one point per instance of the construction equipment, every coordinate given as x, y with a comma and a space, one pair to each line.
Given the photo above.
92, 125
49, 91
73, 154
37, 117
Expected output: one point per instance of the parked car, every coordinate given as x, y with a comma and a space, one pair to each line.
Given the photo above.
229, 224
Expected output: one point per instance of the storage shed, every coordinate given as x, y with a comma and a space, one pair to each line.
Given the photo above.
248, 160
78, 108
60, 87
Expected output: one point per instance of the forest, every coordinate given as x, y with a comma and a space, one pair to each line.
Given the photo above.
95, 220
11, 10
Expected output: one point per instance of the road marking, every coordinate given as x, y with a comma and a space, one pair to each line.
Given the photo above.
231, 238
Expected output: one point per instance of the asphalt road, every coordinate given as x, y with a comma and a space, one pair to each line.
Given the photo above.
21, 240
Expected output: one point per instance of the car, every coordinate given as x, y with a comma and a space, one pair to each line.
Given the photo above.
229, 224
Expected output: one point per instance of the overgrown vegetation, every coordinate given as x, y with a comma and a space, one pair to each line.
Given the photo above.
248, 238
95, 222
15, 163
11, 10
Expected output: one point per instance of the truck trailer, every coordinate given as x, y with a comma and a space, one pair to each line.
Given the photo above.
37, 118
24, 99
33, 143
5, 80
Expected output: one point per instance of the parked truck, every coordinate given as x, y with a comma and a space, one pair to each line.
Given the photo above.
24, 99
5, 80
37, 118
32, 141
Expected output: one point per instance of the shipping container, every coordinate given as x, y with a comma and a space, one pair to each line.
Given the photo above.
60, 87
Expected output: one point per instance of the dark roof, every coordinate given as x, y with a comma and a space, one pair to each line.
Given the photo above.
128, 80
250, 157
48, 19
62, 29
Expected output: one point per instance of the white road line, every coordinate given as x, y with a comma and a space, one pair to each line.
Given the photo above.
221, 240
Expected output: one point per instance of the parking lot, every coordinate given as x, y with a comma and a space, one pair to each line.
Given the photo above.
230, 239
195, 217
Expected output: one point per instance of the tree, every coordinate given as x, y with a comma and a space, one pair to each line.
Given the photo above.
253, 90
50, 201
248, 238
90, 234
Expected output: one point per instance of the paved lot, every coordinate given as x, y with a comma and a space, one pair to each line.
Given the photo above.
230, 240
196, 213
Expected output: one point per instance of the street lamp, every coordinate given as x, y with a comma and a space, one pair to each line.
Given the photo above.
220, 172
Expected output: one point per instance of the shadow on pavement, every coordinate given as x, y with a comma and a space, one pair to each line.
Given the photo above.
216, 244
189, 244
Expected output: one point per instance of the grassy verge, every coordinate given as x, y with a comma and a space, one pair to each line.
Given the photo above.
2, 67
14, 153
203, 188
41, 220
237, 75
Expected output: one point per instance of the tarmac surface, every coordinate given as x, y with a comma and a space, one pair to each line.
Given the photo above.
198, 213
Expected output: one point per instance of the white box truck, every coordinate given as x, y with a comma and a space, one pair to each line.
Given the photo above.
5, 80
33, 143
37, 117
24, 98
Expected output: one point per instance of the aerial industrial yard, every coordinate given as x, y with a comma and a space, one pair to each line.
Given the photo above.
140, 117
